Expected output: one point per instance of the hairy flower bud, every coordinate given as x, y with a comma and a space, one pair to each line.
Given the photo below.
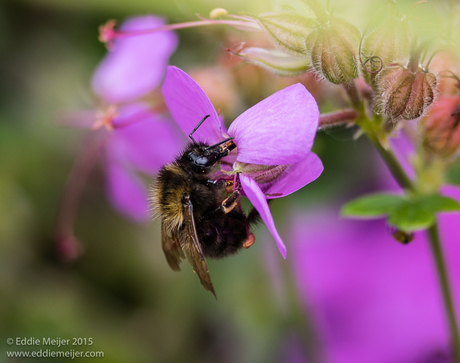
403, 93
288, 30
441, 127
388, 43
275, 61
334, 50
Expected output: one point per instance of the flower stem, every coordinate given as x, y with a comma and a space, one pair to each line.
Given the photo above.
298, 318
319, 11
353, 94
337, 118
73, 191
393, 164
406, 183
435, 244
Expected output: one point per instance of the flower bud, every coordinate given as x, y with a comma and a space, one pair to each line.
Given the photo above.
275, 61
288, 30
401, 236
217, 12
334, 50
386, 44
403, 93
441, 127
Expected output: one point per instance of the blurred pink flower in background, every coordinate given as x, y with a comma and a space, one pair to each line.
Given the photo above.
128, 132
371, 298
140, 142
136, 65
138, 138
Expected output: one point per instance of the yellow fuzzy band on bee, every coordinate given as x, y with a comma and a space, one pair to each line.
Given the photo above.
171, 210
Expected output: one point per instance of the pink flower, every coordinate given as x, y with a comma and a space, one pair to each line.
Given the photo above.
138, 139
278, 131
136, 65
141, 142
374, 299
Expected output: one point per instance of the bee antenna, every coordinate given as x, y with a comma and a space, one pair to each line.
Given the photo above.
196, 128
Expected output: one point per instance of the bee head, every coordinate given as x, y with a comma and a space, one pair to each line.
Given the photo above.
202, 157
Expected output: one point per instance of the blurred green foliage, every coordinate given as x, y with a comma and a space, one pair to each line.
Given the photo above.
120, 291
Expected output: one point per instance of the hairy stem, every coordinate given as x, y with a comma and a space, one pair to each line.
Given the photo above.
392, 164
337, 118
319, 11
406, 183
353, 94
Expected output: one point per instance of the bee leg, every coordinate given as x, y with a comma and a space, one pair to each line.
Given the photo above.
229, 186
226, 206
222, 184
249, 241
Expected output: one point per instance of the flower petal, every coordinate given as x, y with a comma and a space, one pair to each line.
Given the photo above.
295, 177
366, 292
279, 130
143, 139
188, 104
255, 195
136, 65
80, 119
126, 192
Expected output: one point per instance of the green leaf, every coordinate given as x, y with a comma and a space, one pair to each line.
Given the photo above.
420, 213
373, 205
407, 213
410, 217
438, 203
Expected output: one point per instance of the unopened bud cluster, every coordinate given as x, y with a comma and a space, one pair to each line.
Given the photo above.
328, 44
388, 43
441, 127
334, 50
403, 93
288, 30
403, 89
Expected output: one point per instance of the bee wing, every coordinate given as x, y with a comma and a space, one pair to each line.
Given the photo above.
194, 252
171, 248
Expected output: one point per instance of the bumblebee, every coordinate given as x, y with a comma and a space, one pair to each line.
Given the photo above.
198, 214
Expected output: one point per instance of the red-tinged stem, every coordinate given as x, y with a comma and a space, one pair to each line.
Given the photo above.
190, 24
337, 118
73, 191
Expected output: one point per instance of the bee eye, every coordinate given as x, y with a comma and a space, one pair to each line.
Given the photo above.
201, 162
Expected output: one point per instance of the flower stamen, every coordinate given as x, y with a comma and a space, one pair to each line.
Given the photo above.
105, 118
